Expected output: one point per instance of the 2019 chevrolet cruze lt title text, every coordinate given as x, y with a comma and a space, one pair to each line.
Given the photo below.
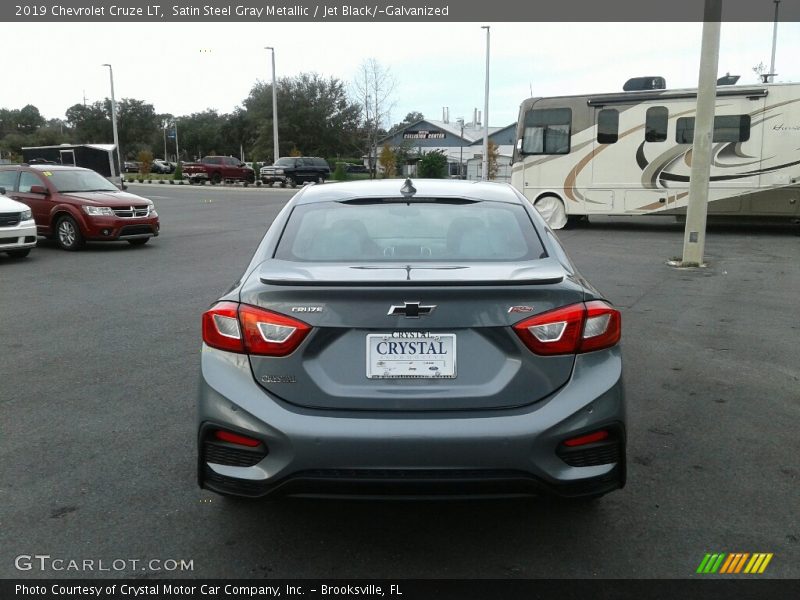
425, 338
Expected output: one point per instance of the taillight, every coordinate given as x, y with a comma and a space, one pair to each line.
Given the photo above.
571, 329
221, 327
270, 334
248, 329
603, 327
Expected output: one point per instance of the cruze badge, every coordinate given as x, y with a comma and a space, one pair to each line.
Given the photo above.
411, 310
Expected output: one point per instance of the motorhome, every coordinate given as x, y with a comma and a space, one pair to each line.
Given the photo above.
630, 153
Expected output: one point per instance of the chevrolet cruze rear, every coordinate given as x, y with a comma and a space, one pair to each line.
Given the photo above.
432, 340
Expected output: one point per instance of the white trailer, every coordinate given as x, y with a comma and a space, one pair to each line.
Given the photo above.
630, 153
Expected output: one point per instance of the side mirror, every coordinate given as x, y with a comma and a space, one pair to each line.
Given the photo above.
39, 189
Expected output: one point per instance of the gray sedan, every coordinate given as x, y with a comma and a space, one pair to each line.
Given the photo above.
424, 338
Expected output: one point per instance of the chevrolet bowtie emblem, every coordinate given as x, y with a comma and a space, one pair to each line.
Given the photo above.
411, 310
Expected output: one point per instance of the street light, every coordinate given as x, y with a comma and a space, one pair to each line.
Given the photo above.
485, 174
114, 119
275, 150
774, 43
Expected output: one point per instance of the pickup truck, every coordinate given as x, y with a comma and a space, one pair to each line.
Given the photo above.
217, 169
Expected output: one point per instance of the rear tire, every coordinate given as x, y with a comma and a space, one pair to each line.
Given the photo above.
552, 210
68, 234
19, 253
216, 178
139, 241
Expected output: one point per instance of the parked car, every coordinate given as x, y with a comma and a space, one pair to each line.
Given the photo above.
351, 168
293, 170
75, 205
161, 167
217, 169
411, 338
17, 228
130, 166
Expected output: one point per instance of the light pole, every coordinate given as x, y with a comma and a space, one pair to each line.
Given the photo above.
164, 125
774, 43
275, 150
485, 174
114, 119
694, 237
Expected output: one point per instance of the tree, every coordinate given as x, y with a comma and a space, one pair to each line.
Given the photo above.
388, 161
410, 119
138, 125
200, 133
433, 165
374, 86
90, 123
315, 116
491, 163
28, 119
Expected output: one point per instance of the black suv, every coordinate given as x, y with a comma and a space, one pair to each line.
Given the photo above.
292, 170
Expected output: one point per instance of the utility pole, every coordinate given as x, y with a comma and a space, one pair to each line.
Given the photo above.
696, 212
276, 148
485, 174
774, 43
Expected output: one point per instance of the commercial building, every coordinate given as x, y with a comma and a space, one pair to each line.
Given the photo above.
462, 144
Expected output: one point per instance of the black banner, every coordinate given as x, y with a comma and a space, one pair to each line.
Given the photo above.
415, 589
388, 11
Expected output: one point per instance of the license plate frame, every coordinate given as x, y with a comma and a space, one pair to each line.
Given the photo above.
412, 366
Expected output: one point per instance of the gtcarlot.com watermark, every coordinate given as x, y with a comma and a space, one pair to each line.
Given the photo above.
48, 563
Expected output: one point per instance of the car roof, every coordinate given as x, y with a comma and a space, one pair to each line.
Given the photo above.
55, 167
426, 188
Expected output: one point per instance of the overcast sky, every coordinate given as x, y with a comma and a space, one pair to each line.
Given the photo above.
188, 67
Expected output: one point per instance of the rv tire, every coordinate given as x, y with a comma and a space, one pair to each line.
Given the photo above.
552, 210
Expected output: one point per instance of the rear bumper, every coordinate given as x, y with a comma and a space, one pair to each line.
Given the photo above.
464, 453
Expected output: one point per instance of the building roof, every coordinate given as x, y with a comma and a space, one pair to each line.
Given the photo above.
471, 134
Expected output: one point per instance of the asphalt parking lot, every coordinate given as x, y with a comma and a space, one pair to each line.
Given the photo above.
98, 374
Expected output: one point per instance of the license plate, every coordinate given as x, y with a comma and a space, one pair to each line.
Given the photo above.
430, 356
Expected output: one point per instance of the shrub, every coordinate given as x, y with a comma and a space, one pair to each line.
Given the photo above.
178, 174
433, 165
258, 183
160, 181
340, 173
145, 158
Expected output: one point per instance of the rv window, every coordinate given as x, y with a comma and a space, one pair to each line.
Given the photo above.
727, 128
655, 125
732, 128
547, 131
607, 126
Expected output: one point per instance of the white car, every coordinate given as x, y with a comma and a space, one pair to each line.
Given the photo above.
17, 227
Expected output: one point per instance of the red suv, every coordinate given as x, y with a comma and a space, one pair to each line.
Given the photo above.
73, 205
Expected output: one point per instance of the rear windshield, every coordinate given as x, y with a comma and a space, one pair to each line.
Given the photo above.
429, 231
